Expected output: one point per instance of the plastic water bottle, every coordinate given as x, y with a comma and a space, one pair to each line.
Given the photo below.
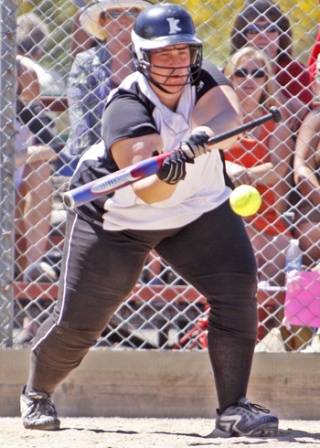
293, 256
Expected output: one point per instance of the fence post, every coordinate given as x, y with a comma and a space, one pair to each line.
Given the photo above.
8, 15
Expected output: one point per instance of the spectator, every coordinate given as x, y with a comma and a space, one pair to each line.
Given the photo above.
261, 158
33, 202
263, 25
98, 70
306, 196
313, 58
307, 181
36, 198
34, 188
306, 177
81, 40
32, 38
315, 78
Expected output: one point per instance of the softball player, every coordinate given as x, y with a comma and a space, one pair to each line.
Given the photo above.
173, 102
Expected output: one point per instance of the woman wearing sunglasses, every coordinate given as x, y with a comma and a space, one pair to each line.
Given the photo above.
264, 26
261, 158
98, 70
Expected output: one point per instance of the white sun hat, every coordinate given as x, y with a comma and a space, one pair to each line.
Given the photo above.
89, 18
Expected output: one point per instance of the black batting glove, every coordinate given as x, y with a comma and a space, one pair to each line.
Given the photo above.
173, 168
194, 145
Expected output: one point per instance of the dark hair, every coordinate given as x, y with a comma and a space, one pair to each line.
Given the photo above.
265, 9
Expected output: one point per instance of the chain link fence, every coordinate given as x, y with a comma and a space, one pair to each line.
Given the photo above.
163, 311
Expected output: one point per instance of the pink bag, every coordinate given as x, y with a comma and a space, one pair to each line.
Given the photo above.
302, 301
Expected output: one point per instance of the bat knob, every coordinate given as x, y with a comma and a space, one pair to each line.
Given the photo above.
68, 201
276, 114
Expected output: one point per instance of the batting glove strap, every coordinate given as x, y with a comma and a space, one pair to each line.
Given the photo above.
194, 145
173, 168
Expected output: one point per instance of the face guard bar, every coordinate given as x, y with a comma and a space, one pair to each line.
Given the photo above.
194, 67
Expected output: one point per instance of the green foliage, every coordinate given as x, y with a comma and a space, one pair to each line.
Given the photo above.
58, 15
213, 20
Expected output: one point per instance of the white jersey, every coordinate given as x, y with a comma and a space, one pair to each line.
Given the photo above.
204, 187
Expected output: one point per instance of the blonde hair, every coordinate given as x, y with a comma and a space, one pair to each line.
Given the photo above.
268, 98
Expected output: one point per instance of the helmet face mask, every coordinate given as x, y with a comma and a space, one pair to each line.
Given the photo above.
192, 70
161, 26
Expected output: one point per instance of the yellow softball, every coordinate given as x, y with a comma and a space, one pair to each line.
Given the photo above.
245, 200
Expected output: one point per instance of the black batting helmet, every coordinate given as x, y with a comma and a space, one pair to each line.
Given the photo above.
163, 25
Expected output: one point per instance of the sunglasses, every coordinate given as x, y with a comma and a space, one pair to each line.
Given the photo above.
129, 14
256, 28
255, 73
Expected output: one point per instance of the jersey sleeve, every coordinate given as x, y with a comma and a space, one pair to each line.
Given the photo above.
210, 77
126, 116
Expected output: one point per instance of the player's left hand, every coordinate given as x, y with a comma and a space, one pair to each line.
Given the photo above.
194, 145
173, 168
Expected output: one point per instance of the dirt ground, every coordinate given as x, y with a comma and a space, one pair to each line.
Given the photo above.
149, 433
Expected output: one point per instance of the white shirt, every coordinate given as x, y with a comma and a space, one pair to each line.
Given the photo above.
202, 190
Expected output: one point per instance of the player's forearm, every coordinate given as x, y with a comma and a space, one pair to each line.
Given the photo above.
220, 110
223, 123
264, 174
152, 190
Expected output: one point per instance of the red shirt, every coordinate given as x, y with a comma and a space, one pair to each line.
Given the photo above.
294, 77
313, 56
250, 152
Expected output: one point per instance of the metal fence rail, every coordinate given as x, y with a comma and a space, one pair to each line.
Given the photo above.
7, 116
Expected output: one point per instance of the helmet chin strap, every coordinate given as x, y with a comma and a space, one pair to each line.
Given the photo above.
159, 85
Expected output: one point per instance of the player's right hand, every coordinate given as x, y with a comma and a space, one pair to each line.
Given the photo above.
194, 145
173, 168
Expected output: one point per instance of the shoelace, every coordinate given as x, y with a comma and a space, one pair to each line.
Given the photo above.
45, 406
42, 402
253, 406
